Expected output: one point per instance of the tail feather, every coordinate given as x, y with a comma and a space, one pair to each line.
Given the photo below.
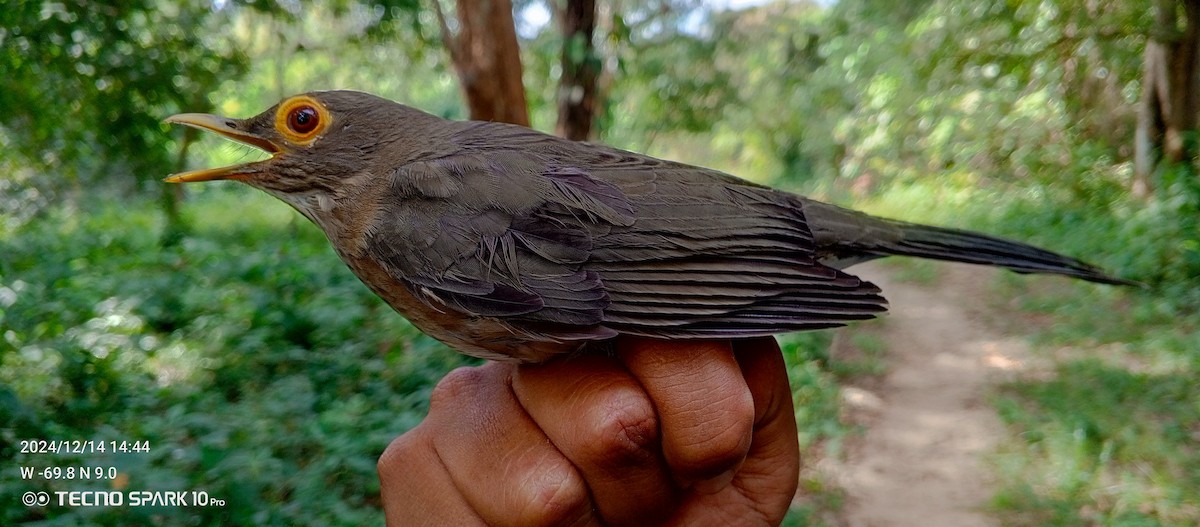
964, 246
845, 237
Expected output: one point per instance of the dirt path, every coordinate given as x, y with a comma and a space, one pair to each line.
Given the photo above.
928, 422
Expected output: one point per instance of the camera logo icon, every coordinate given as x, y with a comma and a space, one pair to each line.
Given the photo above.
35, 499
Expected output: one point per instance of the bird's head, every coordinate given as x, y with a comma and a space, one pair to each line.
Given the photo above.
316, 140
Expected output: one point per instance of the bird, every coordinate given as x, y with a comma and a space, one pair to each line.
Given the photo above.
511, 244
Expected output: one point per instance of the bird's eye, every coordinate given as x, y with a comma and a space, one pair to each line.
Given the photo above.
303, 119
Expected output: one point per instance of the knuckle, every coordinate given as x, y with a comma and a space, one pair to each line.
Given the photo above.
717, 440
455, 385
392, 461
624, 433
552, 496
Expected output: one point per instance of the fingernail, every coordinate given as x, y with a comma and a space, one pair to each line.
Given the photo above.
714, 485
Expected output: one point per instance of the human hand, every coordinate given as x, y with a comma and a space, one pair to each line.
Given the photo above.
685, 433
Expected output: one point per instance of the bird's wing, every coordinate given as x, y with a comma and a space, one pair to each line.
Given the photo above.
570, 240
714, 256
501, 235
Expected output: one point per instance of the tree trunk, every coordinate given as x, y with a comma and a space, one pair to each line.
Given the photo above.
1170, 101
488, 60
577, 87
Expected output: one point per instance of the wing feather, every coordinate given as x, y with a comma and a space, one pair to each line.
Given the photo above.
562, 241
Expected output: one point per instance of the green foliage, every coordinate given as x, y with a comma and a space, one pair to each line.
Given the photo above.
874, 92
257, 367
814, 388
88, 84
662, 90
652, 85
815, 377
1082, 459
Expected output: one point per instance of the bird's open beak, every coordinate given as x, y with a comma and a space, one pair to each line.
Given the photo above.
230, 128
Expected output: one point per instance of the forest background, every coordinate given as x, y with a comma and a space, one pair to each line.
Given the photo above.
216, 324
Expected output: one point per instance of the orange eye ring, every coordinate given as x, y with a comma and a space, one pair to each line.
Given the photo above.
301, 119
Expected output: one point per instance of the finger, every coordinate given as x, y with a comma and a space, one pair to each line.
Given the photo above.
765, 484
504, 466
772, 469
705, 410
416, 488
599, 417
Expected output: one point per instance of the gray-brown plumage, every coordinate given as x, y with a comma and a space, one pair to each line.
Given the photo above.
508, 243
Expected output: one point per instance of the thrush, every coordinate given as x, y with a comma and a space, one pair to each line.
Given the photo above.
510, 244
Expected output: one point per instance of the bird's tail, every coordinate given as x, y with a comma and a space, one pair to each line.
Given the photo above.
845, 237
964, 246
